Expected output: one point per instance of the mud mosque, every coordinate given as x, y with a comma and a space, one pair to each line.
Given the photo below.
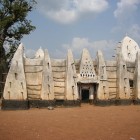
44, 81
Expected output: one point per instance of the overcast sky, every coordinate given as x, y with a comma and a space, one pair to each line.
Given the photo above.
77, 24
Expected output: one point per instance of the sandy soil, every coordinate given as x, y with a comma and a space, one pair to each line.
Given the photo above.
81, 123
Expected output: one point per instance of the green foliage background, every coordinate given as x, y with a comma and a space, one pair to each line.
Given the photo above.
13, 26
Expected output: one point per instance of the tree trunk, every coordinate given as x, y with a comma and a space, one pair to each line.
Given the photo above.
3, 66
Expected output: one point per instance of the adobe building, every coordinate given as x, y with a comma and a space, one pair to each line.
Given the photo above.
44, 81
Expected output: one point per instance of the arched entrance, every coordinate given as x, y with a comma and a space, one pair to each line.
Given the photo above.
87, 92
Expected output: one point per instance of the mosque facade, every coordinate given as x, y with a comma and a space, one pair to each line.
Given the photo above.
44, 81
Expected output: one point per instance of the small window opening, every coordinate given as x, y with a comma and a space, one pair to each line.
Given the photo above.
22, 85
131, 83
16, 76
10, 84
48, 65
128, 54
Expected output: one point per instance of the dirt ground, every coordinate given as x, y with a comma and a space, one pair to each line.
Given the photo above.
87, 122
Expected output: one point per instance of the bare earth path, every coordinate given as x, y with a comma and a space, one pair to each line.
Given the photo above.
82, 123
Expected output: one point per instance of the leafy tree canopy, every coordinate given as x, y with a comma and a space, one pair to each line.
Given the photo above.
14, 23
13, 26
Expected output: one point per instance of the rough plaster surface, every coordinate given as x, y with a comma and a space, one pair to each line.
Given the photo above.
129, 49
15, 86
45, 78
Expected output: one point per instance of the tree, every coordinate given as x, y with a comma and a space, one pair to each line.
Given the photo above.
13, 25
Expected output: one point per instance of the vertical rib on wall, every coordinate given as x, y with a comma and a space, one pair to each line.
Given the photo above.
47, 92
15, 92
123, 91
71, 78
103, 90
15, 86
136, 90
130, 73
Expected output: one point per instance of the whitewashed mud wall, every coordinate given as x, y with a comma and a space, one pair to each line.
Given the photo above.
103, 88
15, 86
136, 90
46, 79
111, 69
33, 72
123, 91
47, 92
71, 78
59, 78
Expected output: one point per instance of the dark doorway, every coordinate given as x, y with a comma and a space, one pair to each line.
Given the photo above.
85, 96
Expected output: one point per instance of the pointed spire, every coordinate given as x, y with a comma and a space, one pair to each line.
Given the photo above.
129, 49
71, 78
16, 78
86, 65
47, 92
21, 46
39, 53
